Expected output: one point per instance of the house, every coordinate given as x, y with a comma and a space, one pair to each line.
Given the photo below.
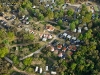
44, 39
49, 36
27, 22
46, 68
85, 28
68, 36
77, 41
64, 49
53, 1
55, 51
49, 28
52, 48
53, 72
60, 54
79, 30
74, 48
41, 35
73, 38
70, 47
26, 18
40, 70
71, 52
59, 46
36, 69
34, 7
64, 34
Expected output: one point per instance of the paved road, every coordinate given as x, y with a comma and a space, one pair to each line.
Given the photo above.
39, 50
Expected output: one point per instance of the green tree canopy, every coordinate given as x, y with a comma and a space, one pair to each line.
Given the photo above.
3, 52
70, 12
27, 61
72, 26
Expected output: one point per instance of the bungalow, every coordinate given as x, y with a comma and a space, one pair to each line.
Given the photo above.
34, 7
79, 30
77, 41
36, 69
44, 39
26, 29
53, 72
70, 47
60, 54
49, 36
53, 1
26, 18
71, 53
46, 68
64, 49
40, 70
41, 35
73, 38
68, 36
74, 30
50, 47
27, 22
85, 28
49, 28
74, 48
55, 51
64, 34
59, 46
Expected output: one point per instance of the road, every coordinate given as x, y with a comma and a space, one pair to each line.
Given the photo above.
39, 50
15, 68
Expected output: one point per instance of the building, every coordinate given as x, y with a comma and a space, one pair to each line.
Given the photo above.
36, 69
53, 72
49, 28
44, 39
73, 38
59, 46
60, 54
46, 68
64, 34
64, 49
40, 70
68, 36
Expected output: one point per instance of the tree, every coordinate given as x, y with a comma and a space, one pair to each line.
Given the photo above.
60, 22
72, 1
27, 61
56, 15
70, 12
73, 66
3, 52
72, 26
28, 37
59, 2
88, 34
40, 16
11, 36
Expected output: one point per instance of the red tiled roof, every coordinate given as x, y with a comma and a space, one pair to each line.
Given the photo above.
71, 53
64, 49
49, 28
59, 46
60, 54
70, 47
74, 48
